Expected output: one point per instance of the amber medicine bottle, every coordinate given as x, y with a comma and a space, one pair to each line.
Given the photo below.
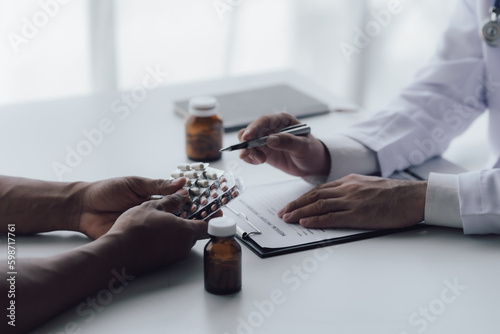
222, 258
203, 130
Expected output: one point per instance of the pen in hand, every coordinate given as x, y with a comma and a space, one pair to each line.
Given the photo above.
296, 130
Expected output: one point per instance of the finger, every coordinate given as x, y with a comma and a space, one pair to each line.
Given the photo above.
249, 160
317, 208
199, 228
339, 219
288, 143
308, 198
254, 156
268, 124
167, 187
244, 154
145, 187
171, 203
240, 134
326, 190
218, 213
332, 184
257, 156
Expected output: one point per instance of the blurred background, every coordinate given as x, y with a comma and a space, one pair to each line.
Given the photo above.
86, 46
91, 45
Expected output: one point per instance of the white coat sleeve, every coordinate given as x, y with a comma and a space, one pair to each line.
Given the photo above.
347, 156
350, 156
446, 96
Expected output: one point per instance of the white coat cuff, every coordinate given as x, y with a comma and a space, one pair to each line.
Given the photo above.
479, 208
347, 156
442, 205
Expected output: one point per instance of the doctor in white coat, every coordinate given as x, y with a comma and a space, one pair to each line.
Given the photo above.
457, 85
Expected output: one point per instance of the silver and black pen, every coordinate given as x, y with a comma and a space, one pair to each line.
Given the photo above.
296, 130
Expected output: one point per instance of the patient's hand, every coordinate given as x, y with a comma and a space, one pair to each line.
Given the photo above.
104, 201
150, 236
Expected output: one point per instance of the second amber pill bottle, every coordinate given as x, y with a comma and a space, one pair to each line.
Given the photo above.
222, 258
203, 130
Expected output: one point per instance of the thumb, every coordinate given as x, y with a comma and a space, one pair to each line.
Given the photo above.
146, 187
199, 228
167, 187
287, 142
171, 203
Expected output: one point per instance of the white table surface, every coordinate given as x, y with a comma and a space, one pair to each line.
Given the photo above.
392, 284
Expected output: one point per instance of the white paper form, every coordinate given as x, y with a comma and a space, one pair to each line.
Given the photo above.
261, 204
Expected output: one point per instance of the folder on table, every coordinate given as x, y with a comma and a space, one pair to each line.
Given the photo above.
238, 109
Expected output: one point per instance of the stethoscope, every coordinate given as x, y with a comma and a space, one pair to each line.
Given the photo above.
491, 29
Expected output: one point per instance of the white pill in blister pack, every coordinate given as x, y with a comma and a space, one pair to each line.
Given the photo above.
195, 191
211, 175
197, 166
202, 183
191, 175
177, 175
184, 167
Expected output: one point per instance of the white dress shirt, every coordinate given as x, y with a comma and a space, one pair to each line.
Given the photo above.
457, 85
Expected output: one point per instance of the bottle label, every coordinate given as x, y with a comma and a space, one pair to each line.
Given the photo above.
204, 147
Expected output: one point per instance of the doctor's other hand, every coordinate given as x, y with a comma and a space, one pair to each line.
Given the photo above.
102, 202
295, 155
360, 202
149, 236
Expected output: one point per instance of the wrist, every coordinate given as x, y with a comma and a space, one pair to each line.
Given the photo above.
321, 167
121, 252
39, 206
73, 198
419, 191
326, 162
110, 249
57, 206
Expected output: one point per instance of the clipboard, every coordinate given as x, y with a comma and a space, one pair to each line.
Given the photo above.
261, 230
249, 228
264, 252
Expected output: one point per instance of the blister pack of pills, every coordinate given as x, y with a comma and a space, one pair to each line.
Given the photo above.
209, 189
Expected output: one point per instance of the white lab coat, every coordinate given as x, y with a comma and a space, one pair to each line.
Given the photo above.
456, 86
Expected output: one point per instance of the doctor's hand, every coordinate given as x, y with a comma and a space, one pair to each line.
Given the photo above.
102, 202
295, 155
360, 202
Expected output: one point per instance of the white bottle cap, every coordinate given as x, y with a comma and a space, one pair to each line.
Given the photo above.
222, 227
203, 106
